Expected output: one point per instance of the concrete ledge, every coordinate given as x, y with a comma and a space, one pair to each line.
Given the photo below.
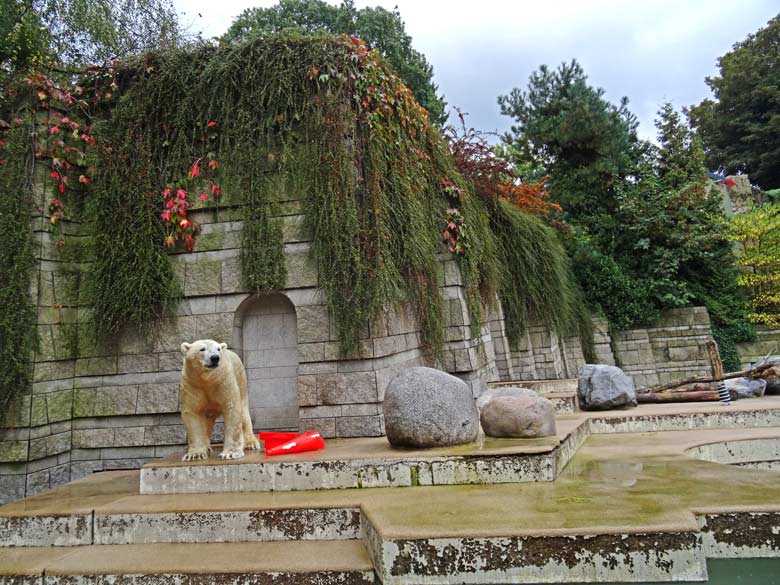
655, 556
372, 463
228, 526
744, 452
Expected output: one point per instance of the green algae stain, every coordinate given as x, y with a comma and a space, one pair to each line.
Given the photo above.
414, 474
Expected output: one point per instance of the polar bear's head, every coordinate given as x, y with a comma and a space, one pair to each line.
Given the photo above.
205, 353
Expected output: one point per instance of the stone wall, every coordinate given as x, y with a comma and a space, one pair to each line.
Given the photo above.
767, 342
118, 407
674, 348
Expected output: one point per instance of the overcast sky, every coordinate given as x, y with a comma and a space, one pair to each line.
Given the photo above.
653, 51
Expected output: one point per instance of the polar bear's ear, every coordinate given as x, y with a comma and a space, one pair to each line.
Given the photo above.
185, 347
223, 346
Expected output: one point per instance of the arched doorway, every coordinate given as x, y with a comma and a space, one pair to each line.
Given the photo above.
267, 334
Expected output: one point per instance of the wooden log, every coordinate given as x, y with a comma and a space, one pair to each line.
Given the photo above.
691, 388
749, 373
661, 397
715, 361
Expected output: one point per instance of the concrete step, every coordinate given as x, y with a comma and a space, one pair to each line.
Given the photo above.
268, 525
283, 563
372, 463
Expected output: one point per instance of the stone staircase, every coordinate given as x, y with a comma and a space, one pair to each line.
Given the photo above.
483, 528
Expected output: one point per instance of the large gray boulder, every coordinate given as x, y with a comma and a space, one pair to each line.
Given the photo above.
603, 387
518, 415
745, 387
424, 407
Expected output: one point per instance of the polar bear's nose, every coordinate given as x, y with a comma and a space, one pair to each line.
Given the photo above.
214, 360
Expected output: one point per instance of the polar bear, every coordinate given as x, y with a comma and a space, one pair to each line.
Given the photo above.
213, 383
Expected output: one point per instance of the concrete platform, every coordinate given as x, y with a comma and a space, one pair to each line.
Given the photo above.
633, 507
372, 463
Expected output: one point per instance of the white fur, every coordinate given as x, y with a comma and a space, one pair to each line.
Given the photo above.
210, 388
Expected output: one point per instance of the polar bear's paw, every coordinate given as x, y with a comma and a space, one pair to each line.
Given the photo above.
196, 454
252, 443
232, 454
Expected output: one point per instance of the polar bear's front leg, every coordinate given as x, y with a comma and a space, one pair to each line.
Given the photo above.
234, 439
197, 436
250, 440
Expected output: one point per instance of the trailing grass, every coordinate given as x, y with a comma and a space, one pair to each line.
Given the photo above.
537, 279
18, 337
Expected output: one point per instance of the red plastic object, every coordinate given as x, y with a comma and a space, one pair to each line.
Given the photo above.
271, 440
308, 441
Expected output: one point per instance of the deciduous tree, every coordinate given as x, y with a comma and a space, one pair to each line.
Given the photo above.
381, 29
740, 127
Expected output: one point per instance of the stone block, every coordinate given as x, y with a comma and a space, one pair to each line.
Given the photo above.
45, 371
325, 425
452, 276
13, 451
320, 411
37, 482
157, 398
361, 409
301, 273
458, 313
132, 341
116, 400
38, 414
350, 388
231, 276
197, 306
218, 327
389, 345
165, 435
463, 362
45, 344
48, 446
311, 352
11, 488
84, 402
93, 438
84, 468
359, 426
175, 331
96, 366
59, 475
171, 360
202, 277
133, 364
313, 324
127, 452
59, 405
684, 354
17, 413
129, 437
307, 390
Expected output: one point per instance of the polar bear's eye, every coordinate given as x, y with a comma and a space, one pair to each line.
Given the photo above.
202, 349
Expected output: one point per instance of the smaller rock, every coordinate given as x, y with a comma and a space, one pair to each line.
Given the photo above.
603, 387
492, 393
518, 416
745, 387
